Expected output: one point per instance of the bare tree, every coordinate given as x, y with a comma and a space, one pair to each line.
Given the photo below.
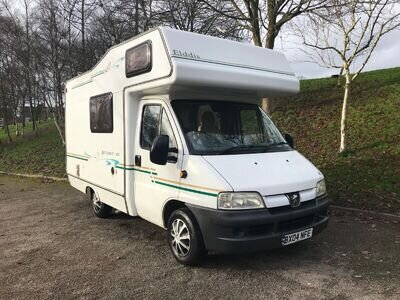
46, 42
84, 12
264, 19
24, 53
69, 7
53, 53
28, 59
345, 36
200, 17
10, 68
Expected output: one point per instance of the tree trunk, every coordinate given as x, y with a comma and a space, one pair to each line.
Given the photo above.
16, 126
69, 46
271, 33
28, 66
272, 14
6, 123
265, 105
15, 96
343, 128
58, 129
54, 117
23, 116
339, 80
31, 106
137, 17
8, 133
269, 44
83, 36
255, 23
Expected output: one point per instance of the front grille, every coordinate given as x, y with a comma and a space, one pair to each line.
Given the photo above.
297, 223
260, 229
253, 231
287, 208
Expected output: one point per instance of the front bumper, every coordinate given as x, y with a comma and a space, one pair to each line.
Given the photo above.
254, 230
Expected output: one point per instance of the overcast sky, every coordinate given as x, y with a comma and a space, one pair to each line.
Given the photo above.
386, 55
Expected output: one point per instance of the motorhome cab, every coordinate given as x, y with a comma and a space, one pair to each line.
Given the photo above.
167, 127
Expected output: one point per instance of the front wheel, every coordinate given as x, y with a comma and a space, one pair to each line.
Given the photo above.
184, 237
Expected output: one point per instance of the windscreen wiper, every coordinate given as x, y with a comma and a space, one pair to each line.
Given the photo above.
277, 144
239, 147
269, 146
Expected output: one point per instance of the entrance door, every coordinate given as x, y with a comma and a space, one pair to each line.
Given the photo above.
155, 184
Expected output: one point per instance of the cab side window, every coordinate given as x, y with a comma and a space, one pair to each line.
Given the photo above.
166, 129
150, 125
155, 122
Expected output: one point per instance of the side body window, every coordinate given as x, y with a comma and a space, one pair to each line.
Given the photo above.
155, 122
101, 113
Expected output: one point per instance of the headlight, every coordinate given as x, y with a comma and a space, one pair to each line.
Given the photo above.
240, 201
321, 188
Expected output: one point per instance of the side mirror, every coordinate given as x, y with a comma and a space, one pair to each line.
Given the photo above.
289, 140
159, 150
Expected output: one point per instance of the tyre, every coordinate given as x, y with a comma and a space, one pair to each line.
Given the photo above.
100, 209
184, 237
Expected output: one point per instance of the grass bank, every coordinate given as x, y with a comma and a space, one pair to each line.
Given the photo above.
368, 175
39, 152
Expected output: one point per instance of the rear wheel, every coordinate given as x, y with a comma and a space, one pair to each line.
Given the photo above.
184, 237
100, 209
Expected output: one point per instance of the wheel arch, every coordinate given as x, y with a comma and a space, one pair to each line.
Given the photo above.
169, 207
89, 191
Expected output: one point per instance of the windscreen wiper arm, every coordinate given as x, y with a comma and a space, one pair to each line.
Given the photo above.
277, 144
268, 147
233, 148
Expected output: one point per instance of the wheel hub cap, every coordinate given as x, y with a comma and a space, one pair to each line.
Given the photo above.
96, 203
180, 238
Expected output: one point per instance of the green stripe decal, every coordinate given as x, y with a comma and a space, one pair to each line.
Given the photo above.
122, 167
150, 172
78, 157
136, 169
186, 189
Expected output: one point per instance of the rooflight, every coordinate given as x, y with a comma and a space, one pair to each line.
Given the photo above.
138, 59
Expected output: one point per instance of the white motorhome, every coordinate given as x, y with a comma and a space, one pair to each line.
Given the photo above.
167, 127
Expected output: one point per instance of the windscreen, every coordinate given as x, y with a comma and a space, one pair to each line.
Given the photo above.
219, 127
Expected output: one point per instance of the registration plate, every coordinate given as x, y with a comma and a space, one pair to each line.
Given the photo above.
296, 237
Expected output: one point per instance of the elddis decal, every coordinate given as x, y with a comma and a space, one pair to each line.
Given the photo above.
185, 54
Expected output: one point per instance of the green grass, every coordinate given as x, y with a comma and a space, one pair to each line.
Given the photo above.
27, 130
38, 152
368, 176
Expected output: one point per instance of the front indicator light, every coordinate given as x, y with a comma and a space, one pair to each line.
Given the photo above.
321, 188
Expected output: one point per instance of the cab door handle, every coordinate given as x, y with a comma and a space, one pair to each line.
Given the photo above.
138, 160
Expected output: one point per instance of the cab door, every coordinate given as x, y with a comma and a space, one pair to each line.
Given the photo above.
155, 184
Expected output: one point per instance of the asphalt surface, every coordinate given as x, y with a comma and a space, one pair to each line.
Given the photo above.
51, 246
